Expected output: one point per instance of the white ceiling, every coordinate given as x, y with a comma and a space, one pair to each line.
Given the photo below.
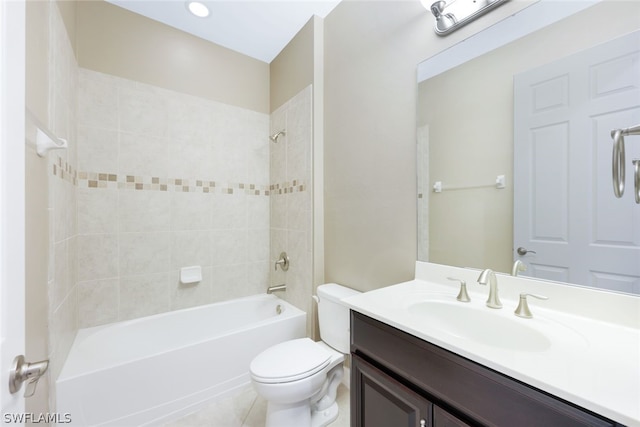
256, 28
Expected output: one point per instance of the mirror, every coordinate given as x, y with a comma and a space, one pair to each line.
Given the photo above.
465, 137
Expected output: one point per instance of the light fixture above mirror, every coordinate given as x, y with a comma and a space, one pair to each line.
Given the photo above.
453, 14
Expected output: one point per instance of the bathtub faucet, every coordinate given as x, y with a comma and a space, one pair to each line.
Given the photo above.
272, 289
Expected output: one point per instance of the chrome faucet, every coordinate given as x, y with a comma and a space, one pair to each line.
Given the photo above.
518, 266
272, 289
488, 275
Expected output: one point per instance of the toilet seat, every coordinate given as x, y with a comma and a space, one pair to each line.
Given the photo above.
289, 361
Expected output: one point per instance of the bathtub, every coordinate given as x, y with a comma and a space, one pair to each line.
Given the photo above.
162, 367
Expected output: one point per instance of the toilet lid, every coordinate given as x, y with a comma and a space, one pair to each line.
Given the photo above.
289, 361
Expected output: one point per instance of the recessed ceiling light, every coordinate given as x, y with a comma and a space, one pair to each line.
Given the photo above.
198, 9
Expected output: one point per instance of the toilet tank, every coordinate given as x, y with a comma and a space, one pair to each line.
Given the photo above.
333, 315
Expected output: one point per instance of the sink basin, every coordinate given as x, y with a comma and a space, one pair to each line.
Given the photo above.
480, 324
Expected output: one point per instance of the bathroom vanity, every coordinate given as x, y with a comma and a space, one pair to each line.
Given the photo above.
400, 380
412, 367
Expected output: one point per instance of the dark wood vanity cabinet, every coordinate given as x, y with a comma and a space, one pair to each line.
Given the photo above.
384, 402
399, 380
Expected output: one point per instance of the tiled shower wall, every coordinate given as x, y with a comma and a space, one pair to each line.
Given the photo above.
291, 200
165, 181
63, 72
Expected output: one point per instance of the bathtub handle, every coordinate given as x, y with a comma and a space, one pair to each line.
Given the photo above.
22, 371
283, 262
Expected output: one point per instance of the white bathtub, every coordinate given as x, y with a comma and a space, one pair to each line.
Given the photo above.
159, 368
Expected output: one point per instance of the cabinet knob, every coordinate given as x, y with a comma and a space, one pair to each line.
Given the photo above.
423, 423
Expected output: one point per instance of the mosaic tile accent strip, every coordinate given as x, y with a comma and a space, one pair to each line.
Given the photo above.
65, 171
84, 179
294, 186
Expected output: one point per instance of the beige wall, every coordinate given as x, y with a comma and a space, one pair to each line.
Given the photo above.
292, 70
69, 13
115, 41
371, 52
479, 141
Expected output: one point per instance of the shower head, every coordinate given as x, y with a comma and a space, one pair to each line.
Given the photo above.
277, 135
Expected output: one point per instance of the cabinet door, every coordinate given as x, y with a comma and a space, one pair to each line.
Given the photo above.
442, 418
380, 401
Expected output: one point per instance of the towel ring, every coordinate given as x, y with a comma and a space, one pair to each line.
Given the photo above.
618, 169
636, 180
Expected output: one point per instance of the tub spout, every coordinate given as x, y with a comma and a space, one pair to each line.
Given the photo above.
272, 289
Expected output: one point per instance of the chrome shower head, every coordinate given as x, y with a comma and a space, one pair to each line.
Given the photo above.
277, 135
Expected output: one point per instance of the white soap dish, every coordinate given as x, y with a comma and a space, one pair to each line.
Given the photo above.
191, 274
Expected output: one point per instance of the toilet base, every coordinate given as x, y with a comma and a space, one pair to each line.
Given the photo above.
325, 417
293, 414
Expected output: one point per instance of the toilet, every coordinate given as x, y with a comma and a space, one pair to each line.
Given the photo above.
299, 378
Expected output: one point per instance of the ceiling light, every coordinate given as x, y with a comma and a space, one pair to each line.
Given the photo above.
198, 9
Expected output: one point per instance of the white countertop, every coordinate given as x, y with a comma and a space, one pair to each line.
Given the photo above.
597, 367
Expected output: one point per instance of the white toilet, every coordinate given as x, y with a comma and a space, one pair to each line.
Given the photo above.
299, 378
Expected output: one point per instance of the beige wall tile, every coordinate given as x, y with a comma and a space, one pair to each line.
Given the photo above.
191, 294
229, 211
97, 101
257, 278
258, 245
192, 157
61, 280
191, 211
144, 253
97, 211
144, 211
63, 209
258, 212
228, 247
143, 295
97, 149
141, 112
279, 212
97, 256
189, 248
143, 155
227, 281
97, 302
62, 331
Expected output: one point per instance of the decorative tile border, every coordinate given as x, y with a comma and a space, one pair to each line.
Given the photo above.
295, 186
65, 171
82, 179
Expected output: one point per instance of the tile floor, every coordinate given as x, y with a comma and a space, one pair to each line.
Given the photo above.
247, 409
